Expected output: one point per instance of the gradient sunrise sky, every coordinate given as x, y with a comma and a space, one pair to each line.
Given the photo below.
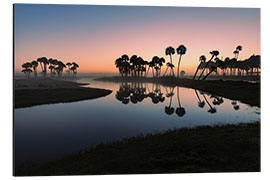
94, 36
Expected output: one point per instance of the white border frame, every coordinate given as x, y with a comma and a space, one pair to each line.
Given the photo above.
6, 10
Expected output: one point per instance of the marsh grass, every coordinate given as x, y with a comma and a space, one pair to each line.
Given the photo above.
221, 148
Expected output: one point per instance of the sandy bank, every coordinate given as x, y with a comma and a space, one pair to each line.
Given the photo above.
38, 91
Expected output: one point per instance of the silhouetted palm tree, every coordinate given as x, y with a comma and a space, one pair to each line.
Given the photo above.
51, 67
40, 62
155, 61
74, 68
61, 66
212, 68
151, 65
181, 50
144, 67
139, 66
27, 69
238, 48
170, 51
44, 61
27, 72
134, 64
125, 58
202, 60
68, 64
169, 66
182, 73
235, 53
160, 63
126, 65
214, 54
119, 65
35, 65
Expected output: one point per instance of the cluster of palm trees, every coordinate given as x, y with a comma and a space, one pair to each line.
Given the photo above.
55, 66
136, 66
230, 66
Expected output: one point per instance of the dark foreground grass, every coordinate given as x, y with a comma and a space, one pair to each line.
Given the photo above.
245, 92
228, 148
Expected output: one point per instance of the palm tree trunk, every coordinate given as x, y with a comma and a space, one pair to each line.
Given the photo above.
45, 69
166, 71
147, 71
172, 72
35, 71
196, 71
207, 75
170, 101
178, 66
207, 101
171, 67
178, 97
205, 67
197, 95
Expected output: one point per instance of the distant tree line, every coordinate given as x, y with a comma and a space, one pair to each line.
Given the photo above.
56, 67
136, 66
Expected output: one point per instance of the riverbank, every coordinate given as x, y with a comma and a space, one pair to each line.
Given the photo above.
38, 91
226, 148
245, 92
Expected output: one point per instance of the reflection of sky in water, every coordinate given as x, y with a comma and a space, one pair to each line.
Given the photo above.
49, 131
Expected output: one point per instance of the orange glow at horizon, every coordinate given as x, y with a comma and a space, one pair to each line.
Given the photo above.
95, 52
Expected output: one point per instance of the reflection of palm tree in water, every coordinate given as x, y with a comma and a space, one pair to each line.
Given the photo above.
156, 95
168, 109
123, 93
217, 100
235, 106
212, 109
180, 111
200, 103
136, 92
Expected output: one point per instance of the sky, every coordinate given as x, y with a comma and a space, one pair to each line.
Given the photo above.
94, 36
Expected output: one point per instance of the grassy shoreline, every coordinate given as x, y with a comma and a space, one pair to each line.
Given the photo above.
224, 148
39, 91
245, 92
205, 149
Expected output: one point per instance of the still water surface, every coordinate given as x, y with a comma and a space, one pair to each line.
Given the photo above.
52, 131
